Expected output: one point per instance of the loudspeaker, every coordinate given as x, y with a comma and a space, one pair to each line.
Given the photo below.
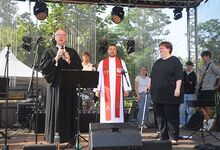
41, 147
25, 113
12, 108
114, 136
86, 118
3, 83
157, 145
40, 122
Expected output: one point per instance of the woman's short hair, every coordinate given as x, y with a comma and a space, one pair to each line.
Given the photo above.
168, 45
87, 54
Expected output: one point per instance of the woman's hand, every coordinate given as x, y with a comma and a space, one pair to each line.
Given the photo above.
177, 92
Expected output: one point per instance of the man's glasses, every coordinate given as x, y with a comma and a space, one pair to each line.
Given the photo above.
61, 35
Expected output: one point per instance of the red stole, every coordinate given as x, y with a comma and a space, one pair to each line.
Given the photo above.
107, 87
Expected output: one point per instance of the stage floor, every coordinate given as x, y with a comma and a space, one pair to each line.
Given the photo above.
17, 138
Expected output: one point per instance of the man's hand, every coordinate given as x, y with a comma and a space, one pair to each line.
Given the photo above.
60, 53
97, 94
126, 93
67, 57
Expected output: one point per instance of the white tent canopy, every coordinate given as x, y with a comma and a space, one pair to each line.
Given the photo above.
16, 67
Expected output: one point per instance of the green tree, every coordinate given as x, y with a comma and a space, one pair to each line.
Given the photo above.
80, 23
147, 28
26, 27
209, 38
7, 12
7, 24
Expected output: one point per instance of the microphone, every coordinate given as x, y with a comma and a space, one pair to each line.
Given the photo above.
61, 56
63, 52
123, 71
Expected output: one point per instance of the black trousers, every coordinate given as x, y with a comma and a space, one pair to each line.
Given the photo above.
167, 116
206, 95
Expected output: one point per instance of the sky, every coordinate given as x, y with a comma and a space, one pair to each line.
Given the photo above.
178, 28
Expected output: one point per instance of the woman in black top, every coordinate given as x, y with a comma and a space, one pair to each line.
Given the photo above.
167, 74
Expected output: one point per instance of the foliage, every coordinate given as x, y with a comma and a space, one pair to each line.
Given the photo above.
26, 27
7, 12
7, 24
9, 36
79, 21
209, 37
86, 28
146, 27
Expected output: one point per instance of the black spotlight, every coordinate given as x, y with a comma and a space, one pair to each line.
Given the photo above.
177, 13
26, 43
117, 14
40, 10
130, 46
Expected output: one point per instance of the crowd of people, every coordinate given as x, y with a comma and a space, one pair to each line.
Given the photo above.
170, 86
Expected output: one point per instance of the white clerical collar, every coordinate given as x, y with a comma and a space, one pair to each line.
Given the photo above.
60, 46
188, 72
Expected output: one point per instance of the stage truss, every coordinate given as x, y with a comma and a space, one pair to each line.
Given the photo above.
135, 3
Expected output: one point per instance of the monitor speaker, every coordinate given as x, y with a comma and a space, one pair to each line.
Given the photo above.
114, 136
157, 145
40, 147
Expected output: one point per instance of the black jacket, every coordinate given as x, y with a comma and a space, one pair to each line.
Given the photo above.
189, 82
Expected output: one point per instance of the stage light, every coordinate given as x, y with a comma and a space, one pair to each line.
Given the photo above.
40, 10
130, 46
117, 14
177, 13
26, 43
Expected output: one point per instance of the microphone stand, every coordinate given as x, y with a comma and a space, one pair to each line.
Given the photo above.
123, 72
35, 68
5, 146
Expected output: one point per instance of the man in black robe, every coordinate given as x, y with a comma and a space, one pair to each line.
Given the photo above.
61, 104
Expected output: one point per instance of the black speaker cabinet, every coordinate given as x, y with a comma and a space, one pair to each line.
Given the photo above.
3, 83
157, 145
86, 118
115, 136
25, 113
40, 147
40, 122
